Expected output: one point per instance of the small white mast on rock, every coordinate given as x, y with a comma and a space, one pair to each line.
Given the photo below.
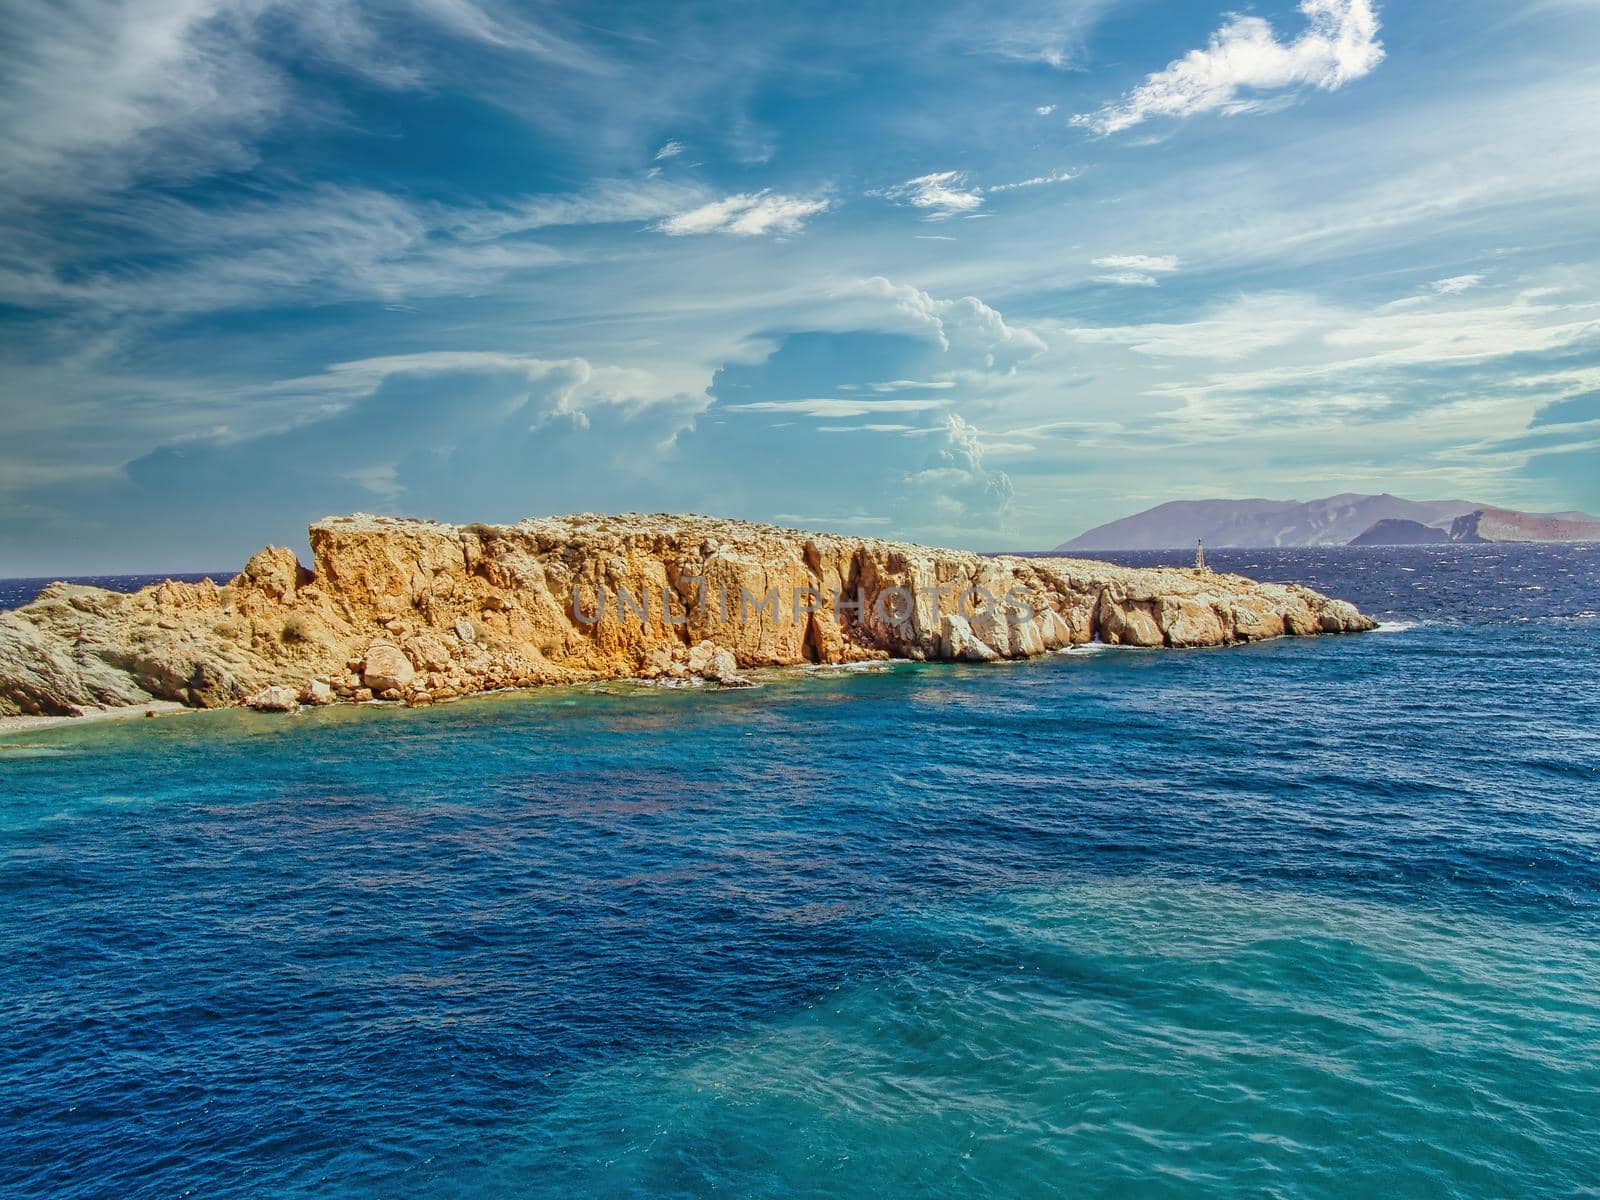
1200, 554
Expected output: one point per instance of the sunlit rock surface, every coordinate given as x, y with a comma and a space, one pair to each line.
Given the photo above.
419, 611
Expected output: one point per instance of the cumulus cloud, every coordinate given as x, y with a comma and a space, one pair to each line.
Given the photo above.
1044, 110
1135, 270
458, 435
1245, 60
976, 335
940, 195
747, 214
954, 486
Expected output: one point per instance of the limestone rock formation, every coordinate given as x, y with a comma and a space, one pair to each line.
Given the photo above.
277, 698
421, 611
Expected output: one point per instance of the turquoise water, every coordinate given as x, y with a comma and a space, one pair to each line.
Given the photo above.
1300, 919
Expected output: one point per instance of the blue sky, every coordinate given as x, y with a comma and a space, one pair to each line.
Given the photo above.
968, 273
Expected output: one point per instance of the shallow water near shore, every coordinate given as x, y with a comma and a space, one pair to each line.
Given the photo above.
1310, 918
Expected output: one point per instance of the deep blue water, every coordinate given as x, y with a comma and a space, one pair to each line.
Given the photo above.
1309, 918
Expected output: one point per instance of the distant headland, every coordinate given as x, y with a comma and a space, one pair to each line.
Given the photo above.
1348, 519
418, 611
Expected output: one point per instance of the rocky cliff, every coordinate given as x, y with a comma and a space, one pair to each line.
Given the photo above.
418, 611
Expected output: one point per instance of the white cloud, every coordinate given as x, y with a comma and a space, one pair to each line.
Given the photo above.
1245, 59
1455, 285
909, 385
318, 243
1128, 279
836, 408
584, 385
106, 93
954, 484
1138, 262
871, 427
1266, 365
1062, 176
829, 522
1044, 110
941, 194
749, 214
945, 194
1030, 31
602, 202
671, 150
967, 327
1240, 328
1135, 270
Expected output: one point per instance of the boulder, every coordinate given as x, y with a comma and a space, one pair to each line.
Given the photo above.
1027, 634
1340, 616
701, 657
1187, 622
1055, 631
276, 698
318, 692
275, 572
386, 668
958, 642
428, 652
1128, 622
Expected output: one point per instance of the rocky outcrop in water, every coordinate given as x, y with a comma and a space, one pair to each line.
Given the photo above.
1401, 533
419, 611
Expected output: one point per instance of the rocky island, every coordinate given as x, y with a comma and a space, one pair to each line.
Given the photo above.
419, 611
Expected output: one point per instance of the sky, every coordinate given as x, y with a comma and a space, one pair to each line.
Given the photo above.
970, 274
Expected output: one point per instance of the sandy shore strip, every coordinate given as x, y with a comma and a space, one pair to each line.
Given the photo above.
33, 724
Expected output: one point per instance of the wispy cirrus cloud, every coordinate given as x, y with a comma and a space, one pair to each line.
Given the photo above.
1135, 270
670, 149
944, 194
1245, 60
747, 214
940, 194
108, 93
323, 243
1063, 176
835, 408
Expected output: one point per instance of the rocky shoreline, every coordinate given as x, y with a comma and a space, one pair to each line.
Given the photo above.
420, 611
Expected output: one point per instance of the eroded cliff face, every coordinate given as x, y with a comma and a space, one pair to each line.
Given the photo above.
420, 611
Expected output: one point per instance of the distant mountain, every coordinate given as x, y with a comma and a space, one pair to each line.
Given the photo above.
1346, 519
1507, 525
1333, 521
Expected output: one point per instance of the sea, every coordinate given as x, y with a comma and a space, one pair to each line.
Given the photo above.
1306, 918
